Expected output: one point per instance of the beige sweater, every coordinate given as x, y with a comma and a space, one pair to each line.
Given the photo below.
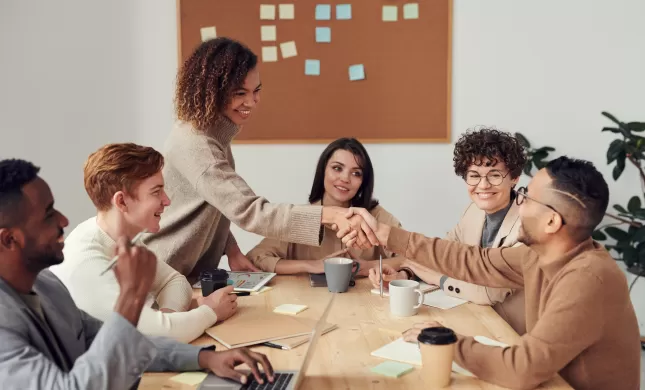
580, 320
88, 250
207, 193
269, 251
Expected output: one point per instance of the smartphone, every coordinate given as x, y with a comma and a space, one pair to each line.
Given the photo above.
317, 280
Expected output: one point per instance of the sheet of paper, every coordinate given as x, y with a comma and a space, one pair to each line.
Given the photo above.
269, 53
288, 49
323, 34
268, 33
312, 67
323, 12
442, 301
190, 378
411, 11
208, 33
287, 11
356, 72
390, 13
267, 12
343, 11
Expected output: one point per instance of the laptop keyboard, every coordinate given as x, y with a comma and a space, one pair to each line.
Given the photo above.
280, 382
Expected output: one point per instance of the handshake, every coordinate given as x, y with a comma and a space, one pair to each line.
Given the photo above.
356, 227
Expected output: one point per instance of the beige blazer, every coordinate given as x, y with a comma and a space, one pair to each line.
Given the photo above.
268, 252
508, 303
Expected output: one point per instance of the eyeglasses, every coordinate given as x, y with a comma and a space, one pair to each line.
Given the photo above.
522, 194
493, 177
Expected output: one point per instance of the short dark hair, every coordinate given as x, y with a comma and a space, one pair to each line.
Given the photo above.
582, 180
363, 197
14, 174
491, 144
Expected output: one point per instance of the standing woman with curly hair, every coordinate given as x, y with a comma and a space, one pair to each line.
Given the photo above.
218, 87
490, 163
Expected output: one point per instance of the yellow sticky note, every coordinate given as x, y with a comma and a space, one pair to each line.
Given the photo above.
390, 13
208, 33
288, 49
269, 53
190, 378
290, 309
267, 11
268, 33
287, 11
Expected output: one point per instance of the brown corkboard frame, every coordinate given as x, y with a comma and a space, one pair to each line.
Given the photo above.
407, 92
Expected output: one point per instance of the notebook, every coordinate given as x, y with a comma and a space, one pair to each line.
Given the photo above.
440, 300
293, 342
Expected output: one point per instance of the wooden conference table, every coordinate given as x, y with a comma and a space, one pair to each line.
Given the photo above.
342, 357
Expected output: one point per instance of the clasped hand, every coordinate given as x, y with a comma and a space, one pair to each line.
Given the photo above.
356, 228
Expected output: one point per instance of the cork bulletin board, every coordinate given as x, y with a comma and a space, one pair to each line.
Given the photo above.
377, 70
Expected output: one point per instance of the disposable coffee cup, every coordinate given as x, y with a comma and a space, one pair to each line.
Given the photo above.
437, 346
212, 281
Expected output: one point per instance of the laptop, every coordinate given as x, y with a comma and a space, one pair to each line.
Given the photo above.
283, 380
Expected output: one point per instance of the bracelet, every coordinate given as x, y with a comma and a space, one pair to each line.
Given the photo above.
408, 271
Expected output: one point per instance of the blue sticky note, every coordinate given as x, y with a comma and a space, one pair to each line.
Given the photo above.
344, 11
392, 369
312, 67
356, 72
323, 12
323, 34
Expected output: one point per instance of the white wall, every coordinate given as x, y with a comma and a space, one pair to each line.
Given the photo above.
76, 74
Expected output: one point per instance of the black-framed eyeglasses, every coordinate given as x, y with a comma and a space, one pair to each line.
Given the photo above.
493, 177
521, 193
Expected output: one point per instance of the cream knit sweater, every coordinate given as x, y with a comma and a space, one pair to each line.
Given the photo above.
88, 250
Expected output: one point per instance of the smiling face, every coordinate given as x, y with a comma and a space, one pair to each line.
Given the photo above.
490, 197
245, 99
144, 207
343, 178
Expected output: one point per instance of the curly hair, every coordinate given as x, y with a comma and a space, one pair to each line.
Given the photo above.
14, 174
208, 79
487, 143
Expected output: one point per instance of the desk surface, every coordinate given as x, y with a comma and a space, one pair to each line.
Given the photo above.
342, 358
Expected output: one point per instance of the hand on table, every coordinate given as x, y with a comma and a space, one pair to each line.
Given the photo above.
411, 334
223, 364
389, 274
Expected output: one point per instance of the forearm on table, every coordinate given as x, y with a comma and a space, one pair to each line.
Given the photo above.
182, 326
297, 266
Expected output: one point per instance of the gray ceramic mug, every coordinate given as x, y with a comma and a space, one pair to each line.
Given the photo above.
338, 272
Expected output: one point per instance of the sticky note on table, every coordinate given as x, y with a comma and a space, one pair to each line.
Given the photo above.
208, 33
268, 33
287, 11
323, 12
343, 11
267, 11
190, 378
356, 72
323, 34
411, 11
312, 67
288, 49
269, 53
392, 369
390, 13
290, 309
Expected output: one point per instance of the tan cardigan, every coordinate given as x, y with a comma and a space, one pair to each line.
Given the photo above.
508, 303
269, 251
579, 317
207, 193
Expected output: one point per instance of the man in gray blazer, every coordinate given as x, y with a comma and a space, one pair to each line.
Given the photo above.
46, 342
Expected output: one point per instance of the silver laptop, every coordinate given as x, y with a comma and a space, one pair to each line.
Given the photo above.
283, 380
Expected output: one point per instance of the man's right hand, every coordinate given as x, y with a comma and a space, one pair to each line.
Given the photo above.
223, 303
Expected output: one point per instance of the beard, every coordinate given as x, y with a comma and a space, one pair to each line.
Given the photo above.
525, 237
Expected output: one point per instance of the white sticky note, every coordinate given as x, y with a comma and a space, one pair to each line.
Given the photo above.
267, 11
288, 49
208, 33
269, 53
390, 13
411, 11
268, 33
190, 378
287, 11
290, 309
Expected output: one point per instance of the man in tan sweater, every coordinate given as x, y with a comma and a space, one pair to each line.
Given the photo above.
580, 320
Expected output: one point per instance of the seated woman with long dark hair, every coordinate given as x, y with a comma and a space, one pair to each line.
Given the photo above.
344, 178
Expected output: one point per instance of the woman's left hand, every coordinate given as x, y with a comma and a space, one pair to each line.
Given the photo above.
411, 334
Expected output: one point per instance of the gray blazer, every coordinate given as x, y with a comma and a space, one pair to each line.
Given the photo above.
92, 354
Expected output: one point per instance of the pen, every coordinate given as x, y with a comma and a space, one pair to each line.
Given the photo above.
380, 270
241, 293
115, 258
271, 345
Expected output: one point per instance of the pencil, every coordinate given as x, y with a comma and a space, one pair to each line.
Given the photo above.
380, 270
115, 258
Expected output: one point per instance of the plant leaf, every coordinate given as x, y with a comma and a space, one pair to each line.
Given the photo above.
639, 236
619, 208
619, 168
539, 155
539, 164
527, 168
616, 233
612, 129
611, 117
630, 256
522, 140
615, 148
545, 149
636, 126
598, 235
634, 204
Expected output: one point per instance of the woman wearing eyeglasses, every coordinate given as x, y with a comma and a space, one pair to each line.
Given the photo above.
490, 162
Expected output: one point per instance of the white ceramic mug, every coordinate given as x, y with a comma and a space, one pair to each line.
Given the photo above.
405, 297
